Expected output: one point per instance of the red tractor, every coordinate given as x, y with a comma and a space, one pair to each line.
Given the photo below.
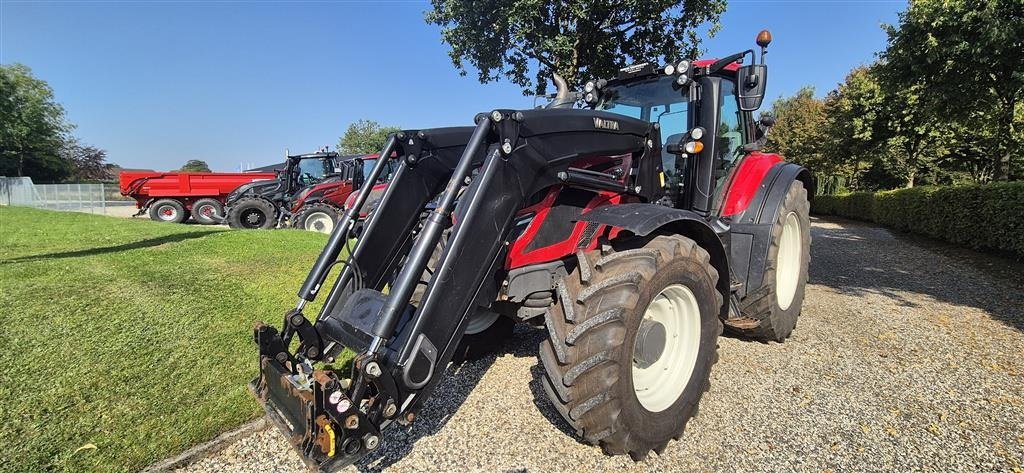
634, 229
318, 207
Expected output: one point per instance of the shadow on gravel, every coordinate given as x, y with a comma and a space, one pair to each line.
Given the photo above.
459, 380
111, 249
859, 259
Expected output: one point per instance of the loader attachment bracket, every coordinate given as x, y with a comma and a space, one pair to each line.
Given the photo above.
326, 427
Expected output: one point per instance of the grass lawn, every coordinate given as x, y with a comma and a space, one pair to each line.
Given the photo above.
131, 336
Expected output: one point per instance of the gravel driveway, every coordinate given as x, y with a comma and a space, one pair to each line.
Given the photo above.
904, 359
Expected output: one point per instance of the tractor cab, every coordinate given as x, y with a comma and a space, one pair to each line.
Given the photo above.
703, 110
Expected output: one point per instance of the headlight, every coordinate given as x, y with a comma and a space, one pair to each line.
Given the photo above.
589, 87
669, 70
697, 133
683, 66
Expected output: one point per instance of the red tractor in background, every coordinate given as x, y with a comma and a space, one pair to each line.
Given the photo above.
634, 220
318, 207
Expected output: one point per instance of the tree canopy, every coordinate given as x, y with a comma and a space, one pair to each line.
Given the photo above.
526, 40
33, 127
364, 137
942, 105
196, 165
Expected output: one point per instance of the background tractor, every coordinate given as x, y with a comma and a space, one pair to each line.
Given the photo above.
264, 204
318, 208
634, 229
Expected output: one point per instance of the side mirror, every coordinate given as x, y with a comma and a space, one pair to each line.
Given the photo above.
752, 80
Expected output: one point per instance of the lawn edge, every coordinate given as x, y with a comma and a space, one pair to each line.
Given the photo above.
211, 447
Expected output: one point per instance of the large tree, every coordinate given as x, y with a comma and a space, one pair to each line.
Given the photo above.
799, 132
526, 40
196, 165
963, 60
33, 127
364, 137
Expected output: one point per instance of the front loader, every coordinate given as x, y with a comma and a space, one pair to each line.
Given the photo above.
634, 229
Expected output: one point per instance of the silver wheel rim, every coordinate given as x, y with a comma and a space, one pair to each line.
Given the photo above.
319, 222
659, 382
208, 211
167, 213
787, 266
481, 320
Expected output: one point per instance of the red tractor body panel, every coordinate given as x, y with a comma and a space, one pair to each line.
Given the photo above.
747, 179
185, 187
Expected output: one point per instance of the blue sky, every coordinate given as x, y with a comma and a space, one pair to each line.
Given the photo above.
159, 83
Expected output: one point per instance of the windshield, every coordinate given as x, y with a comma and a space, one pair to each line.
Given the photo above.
312, 171
657, 100
385, 175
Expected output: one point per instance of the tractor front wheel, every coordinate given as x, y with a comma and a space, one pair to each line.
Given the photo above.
770, 313
252, 213
632, 339
318, 217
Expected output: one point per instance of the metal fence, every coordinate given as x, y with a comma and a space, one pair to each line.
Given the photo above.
92, 198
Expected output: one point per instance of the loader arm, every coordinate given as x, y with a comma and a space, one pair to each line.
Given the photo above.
402, 349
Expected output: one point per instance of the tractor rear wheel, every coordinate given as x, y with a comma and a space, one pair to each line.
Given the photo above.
252, 213
208, 211
632, 338
317, 217
770, 313
168, 210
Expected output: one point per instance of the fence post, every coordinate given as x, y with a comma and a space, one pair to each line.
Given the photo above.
103, 198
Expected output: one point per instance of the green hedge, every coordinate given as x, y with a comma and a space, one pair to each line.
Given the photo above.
979, 216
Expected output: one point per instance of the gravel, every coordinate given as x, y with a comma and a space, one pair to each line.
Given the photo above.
904, 359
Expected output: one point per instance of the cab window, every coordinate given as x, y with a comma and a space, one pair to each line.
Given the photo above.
730, 129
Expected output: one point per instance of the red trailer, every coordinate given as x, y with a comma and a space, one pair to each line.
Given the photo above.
175, 196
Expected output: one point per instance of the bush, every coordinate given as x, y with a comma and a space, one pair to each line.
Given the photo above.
978, 216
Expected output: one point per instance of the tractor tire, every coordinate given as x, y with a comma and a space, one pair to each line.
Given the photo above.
486, 331
168, 210
610, 367
252, 213
208, 211
317, 217
770, 313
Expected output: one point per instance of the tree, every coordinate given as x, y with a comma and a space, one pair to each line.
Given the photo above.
576, 39
365, 137
963, 60
88, 163
196, 165
33, 127
798, 133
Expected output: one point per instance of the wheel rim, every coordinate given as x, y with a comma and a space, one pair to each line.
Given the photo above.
207, 211
319, 222
253, 218
665, 348
481, 320
787, 267
167, 213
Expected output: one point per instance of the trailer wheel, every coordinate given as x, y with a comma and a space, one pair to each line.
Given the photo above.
252, 213
771, 312
208, 211
167, 210
317, 217
632, 338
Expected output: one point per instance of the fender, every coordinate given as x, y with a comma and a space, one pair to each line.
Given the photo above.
751, 229
643, 219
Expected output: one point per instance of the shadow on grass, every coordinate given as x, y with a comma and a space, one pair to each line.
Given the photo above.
859, 259
147, 243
